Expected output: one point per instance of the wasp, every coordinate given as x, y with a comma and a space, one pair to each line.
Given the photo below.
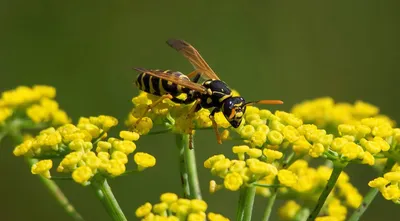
211, 93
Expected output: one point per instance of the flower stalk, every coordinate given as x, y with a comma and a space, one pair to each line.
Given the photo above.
337, 170
54, 189
248, 202
106, 196
188, 169
270, 204
370, 196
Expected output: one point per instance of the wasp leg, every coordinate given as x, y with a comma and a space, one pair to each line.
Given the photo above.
215, 126
194, 74
151, 106
196, 107
179, 101
196, 78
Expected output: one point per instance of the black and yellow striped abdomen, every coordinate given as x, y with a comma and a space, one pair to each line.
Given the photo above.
159, 87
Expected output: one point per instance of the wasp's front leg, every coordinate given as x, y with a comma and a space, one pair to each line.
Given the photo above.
214, 125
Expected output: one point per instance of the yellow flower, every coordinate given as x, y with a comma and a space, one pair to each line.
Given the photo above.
287, 178
337, 210
216, 217
233, 181
125, 146
272, 155
82, 174
247, 131
160, 208
289, 210
42, 167
5, 113
144, 160
221, 167
290, 133
316, 150
240, 150
169, 198
128, 135
338, 143
119, 156
275, 137
115, 167
198, 205
352, 151
38, 114
221, 120
326, 218
91, 160
258, 138
392, 176
209, 163
254, 152
103, 146
143, 210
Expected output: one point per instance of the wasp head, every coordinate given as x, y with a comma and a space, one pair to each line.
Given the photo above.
233, 109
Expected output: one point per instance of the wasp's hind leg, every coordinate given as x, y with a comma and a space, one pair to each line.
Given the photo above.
194, 74
151, 106
215, 126
196, 107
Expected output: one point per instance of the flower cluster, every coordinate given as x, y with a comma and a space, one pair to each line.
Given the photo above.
241, 172
172, 208
36, 103
307, 183
325, 113
389, 184
84, 149
334, 211
173, 115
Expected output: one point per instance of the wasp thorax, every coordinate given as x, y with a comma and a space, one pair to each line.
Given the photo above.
233, 109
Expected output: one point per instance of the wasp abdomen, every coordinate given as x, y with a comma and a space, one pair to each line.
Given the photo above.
158, 86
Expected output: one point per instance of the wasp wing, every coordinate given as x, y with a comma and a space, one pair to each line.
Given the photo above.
174, 79
193, 56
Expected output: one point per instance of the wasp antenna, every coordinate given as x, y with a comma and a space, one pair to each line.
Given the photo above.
264, 102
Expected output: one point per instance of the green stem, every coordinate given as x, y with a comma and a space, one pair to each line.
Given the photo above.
370, 196
104, 193
248, 202
2, 135
268, 185
240, 211
50, 184
188, 169
270, 204
337, 170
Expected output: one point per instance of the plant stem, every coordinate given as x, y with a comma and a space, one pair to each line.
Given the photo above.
188, 169
182, 166
104, 193
370, 196
248, 202
240, 211
268, 185
337, 170
270, 204
50, 184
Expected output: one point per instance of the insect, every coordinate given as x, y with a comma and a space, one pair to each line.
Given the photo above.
212, 93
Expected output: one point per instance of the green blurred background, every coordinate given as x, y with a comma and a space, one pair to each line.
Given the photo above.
289, 50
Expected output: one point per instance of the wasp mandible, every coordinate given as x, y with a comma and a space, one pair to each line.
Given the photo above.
212, 93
